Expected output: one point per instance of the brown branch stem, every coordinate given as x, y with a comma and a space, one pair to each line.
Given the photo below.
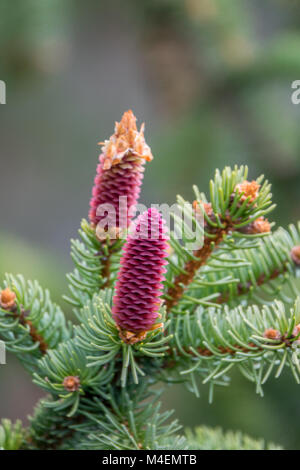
182, 280
106, 262
33, 332
243, 290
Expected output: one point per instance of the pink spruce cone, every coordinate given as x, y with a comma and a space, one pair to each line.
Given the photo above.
119, 173
137, 299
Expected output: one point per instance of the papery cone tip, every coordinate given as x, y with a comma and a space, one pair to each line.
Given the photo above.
126, 139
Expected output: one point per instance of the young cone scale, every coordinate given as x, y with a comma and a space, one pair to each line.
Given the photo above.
119, 174
137, 299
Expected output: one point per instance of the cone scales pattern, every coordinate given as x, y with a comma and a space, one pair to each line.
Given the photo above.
137, 299
119, 174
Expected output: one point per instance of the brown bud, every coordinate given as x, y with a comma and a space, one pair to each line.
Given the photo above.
207, 207
270, 333
249, 188
7, 299
295, 254
296, 330
260, 225
71, 383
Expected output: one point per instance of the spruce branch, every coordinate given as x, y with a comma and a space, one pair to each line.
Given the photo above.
11, 435
96, 264
236, 206
63, 373
270, 271
129, 421
30, 323
204, 438
8, 303
255, 340
51, 429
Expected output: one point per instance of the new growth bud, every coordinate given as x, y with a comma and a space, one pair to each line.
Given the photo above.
71, 383
7, 299
273, 334
295, 254
248, 189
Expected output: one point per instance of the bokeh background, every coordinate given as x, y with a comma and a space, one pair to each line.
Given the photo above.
211, 79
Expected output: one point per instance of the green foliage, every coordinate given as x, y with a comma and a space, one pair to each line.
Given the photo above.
231, 212
34, 308
68, 360
130, 421
211, 342
89, 256
50, 428
258, 274
11, 435
99, 337
204, 438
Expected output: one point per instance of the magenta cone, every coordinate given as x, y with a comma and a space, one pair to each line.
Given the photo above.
137, 299
120, 172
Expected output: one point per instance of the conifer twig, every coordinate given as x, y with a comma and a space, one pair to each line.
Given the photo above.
7, 302
175, 292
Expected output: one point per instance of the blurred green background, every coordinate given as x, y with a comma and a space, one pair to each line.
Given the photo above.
211, 79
